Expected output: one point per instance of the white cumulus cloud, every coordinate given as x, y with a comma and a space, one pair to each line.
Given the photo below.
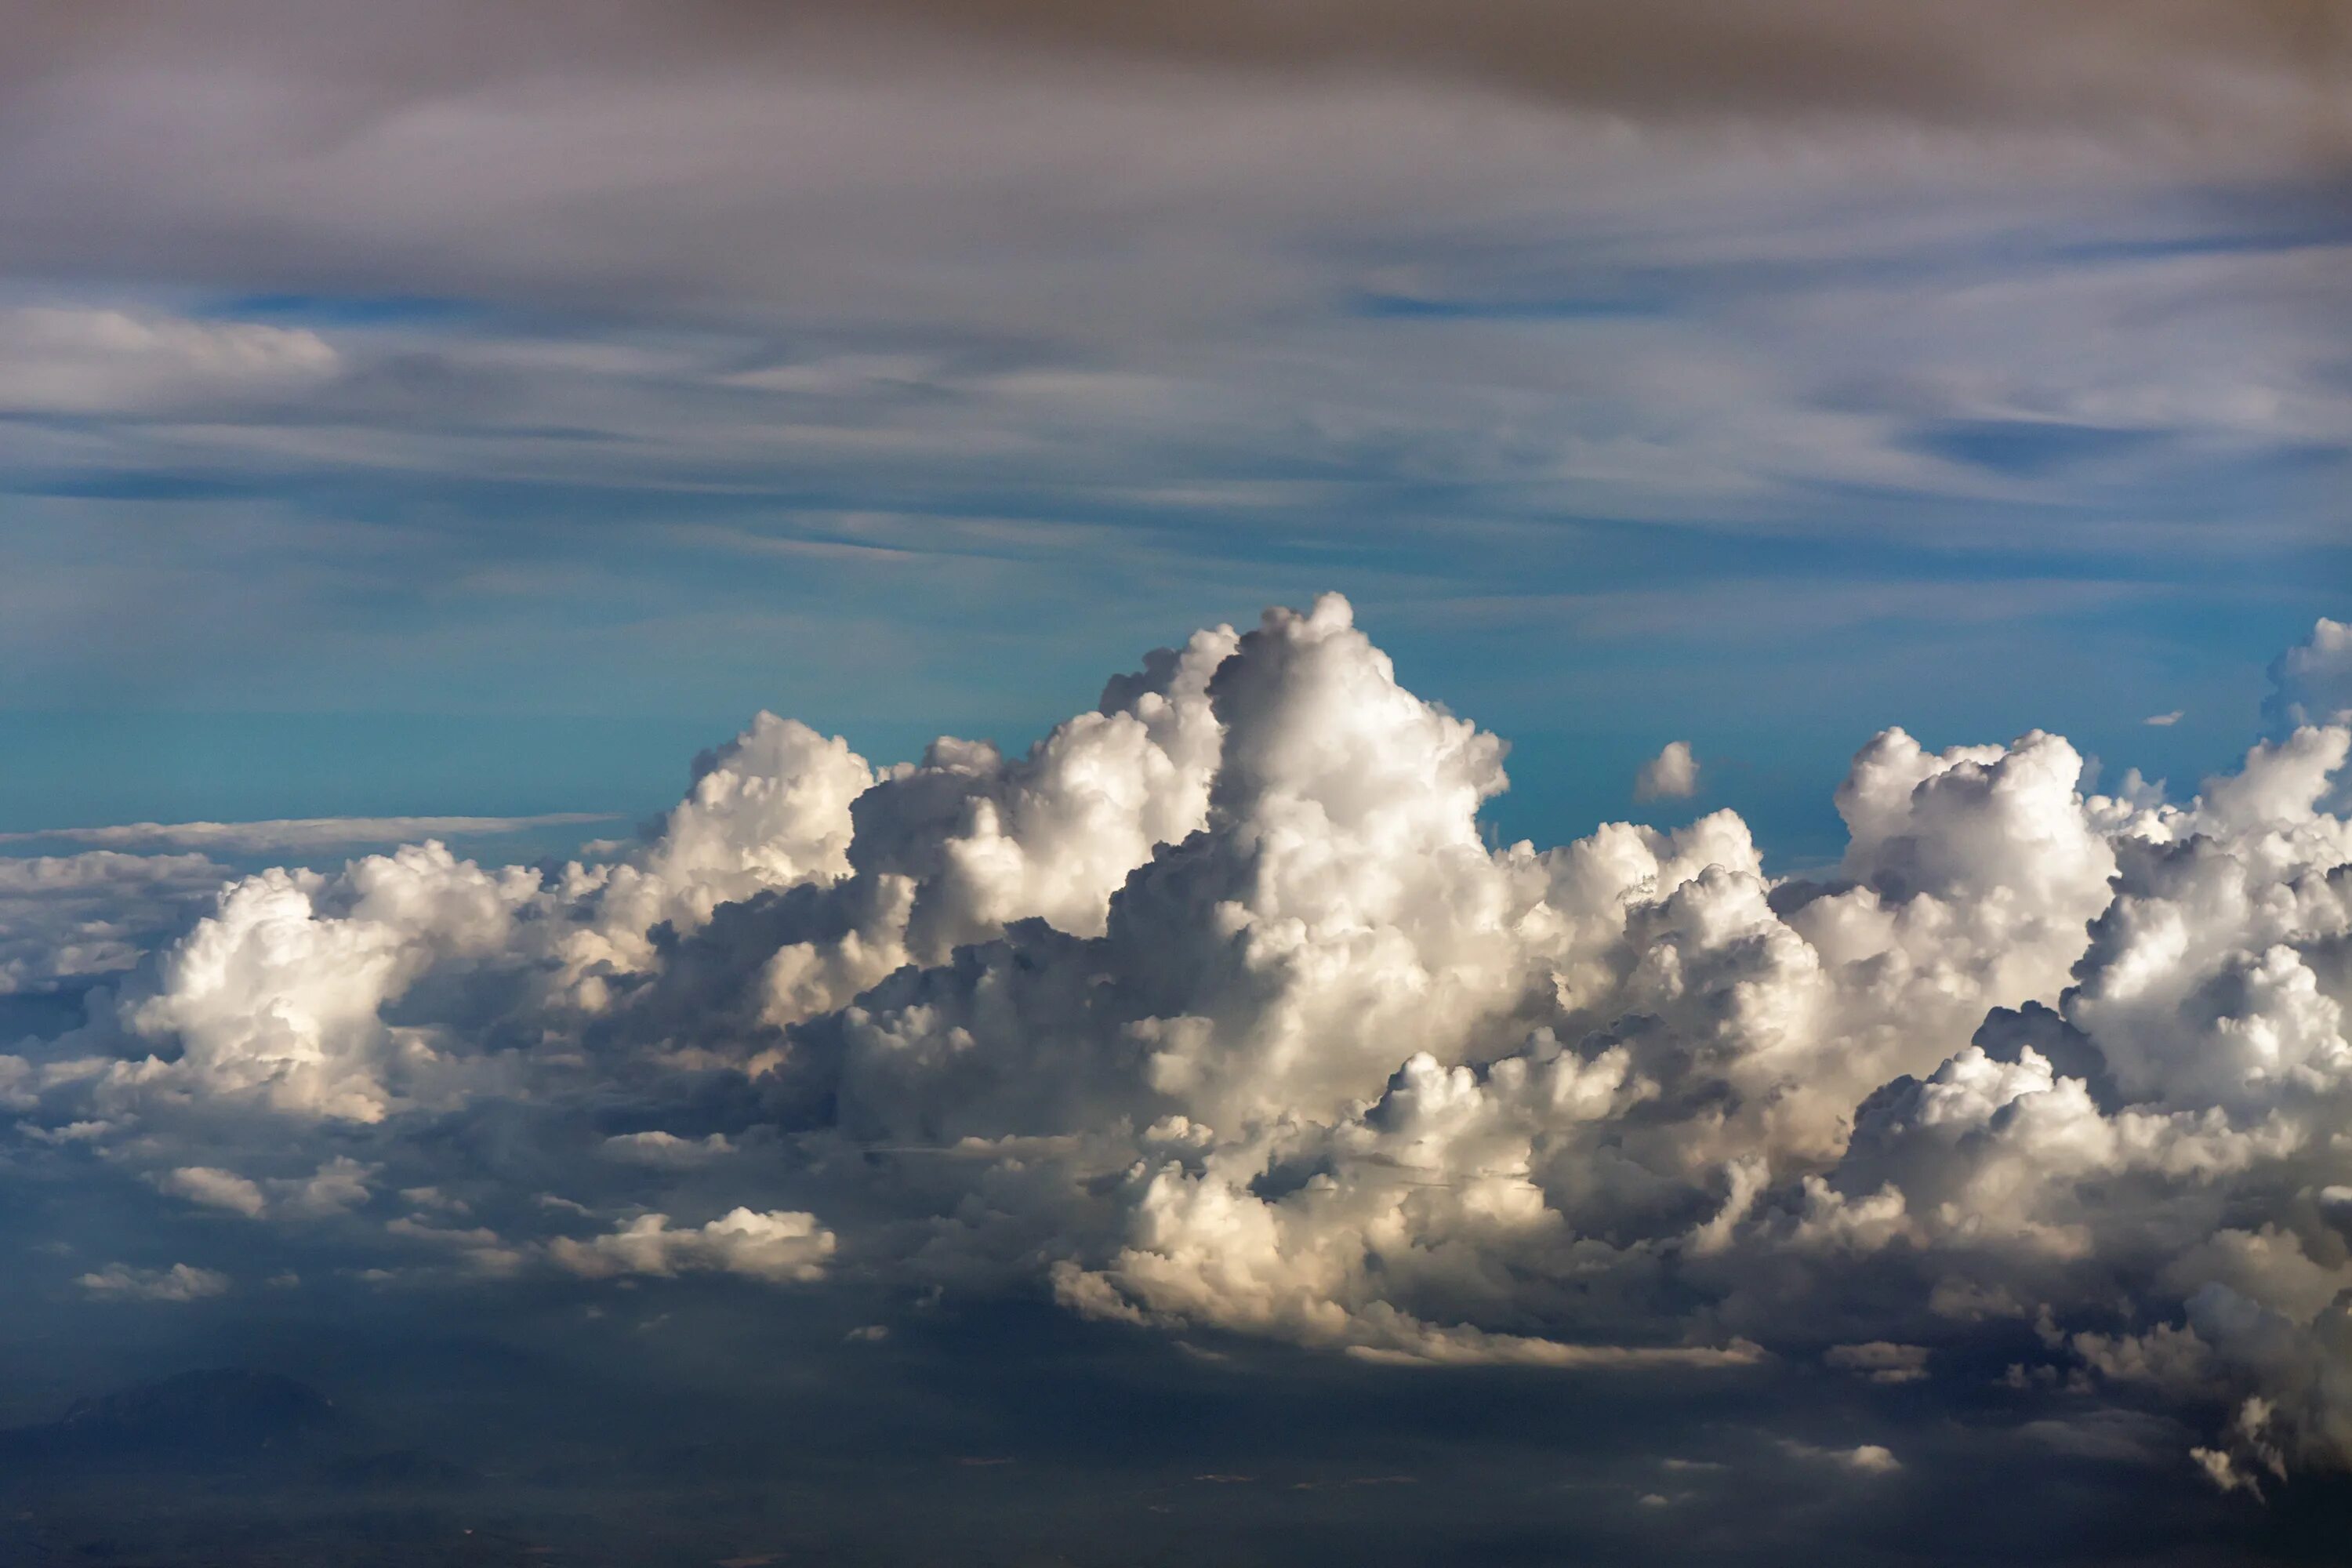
1217, 1011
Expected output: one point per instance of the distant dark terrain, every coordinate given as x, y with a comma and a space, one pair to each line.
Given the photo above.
1011, 1440
220, 1466
220, 1418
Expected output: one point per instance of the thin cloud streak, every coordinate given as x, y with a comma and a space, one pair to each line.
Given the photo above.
299, 833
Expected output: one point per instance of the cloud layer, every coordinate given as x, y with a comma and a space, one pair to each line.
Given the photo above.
1216, 1012
2185, 68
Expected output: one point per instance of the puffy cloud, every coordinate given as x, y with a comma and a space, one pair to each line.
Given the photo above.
279, 993
216, 1189
1672, 775
1217, 1011
770, 810
2281, 786
2311, 683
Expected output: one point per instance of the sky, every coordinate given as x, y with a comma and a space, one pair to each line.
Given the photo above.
471, 415
499, 505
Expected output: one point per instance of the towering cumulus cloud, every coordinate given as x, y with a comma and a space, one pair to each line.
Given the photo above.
1217, 1011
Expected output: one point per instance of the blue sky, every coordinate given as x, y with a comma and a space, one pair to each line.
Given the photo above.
492, 445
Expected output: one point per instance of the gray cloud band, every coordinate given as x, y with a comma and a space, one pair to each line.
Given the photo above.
2199, 69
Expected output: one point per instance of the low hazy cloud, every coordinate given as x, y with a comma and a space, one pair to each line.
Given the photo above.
179, 1282
296, 834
